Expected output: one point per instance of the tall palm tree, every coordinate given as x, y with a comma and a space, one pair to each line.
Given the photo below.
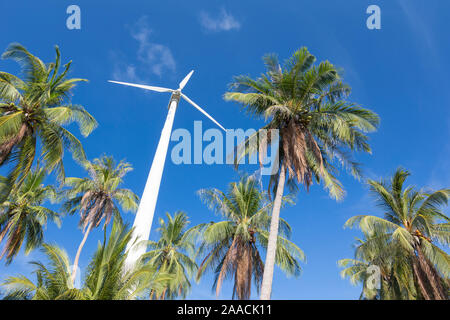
34, 110
174, 254
98, 196
105, 278
413, 220
307, 104
23, 216
233, 245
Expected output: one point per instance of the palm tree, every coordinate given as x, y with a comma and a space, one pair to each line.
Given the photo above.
34, 110
307, 104
108, 279
174, 254
393, 280
105, 278
233, 245
23, 216
97, 197
412, 220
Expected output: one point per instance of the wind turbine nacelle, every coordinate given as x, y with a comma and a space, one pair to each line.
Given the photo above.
176, 95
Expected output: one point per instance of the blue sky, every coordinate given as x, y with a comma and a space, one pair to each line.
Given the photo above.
400, 71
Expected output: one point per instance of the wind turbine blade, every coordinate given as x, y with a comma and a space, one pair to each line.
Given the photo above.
158, 89
202, 111
185, 80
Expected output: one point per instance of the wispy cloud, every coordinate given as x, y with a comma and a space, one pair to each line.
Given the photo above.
122, 70
157, 56
421, 27
153, 58
224, 21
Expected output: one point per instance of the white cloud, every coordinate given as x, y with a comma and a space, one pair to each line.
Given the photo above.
157, 56
153, 58
123, 71
223, 22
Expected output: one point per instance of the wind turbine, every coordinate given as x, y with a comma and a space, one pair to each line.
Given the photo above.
144, 216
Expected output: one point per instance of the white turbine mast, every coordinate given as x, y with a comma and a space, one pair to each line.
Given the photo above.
144, 216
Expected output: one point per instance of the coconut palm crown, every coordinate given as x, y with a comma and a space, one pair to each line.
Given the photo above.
98, 197
414, 220
105, 277
307, 104
382, 268
174, 253
233, 246
34, 110
23, 215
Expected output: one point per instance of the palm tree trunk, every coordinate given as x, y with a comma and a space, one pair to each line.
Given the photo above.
266, 288
6, 148
439, 282
243, 275
420, 280
431, 274
80, 247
